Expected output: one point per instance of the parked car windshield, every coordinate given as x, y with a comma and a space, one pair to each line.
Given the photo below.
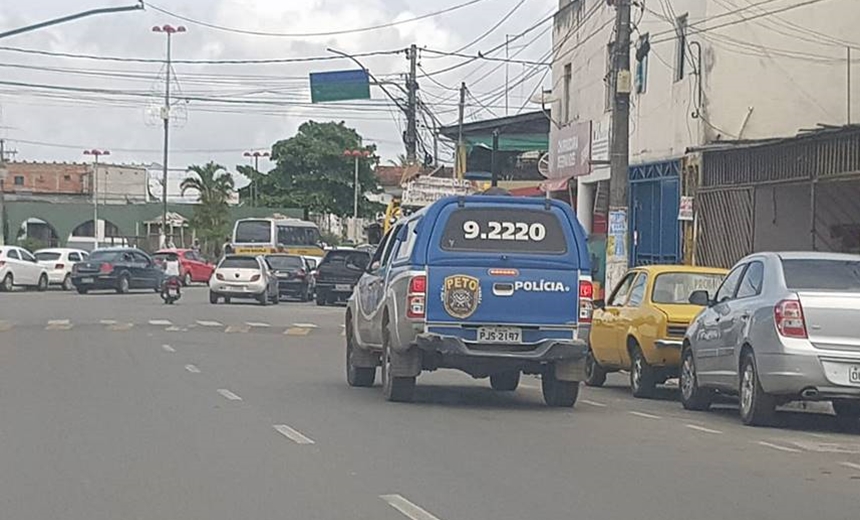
822, 275
676, 288
105, 256
239, 262
284, 262
504, 230
47, 256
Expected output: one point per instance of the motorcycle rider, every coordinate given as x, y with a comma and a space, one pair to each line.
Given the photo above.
171, 274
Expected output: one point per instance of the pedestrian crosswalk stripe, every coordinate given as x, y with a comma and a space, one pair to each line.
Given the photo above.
257, 324
165, 323
107, 322
297, 331
205, 323
121, 327
59, 325
305, 325
237, 328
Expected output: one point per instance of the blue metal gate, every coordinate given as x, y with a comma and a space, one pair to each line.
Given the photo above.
654, 204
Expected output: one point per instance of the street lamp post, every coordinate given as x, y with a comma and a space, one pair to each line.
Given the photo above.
255, 156
168, 30
95, 153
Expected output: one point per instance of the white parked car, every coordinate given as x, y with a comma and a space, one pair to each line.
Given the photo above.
59, 263
19, 268
243, 276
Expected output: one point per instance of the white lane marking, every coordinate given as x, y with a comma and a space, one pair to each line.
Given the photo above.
205, 323
5, 326
406, 507
193, 369
58, 322
702, 429
168, 348
227, 394
233, 329
645, 415
778, 447
304, 325
850, 465
165, 323
292, 434
257, 324
594, 403
107, 322
297, 331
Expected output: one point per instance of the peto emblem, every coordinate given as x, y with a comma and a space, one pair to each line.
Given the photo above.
461, 295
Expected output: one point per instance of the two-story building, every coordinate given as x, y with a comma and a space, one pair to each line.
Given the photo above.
703, 72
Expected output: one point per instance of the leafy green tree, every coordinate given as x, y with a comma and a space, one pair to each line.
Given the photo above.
211, 216
312, 172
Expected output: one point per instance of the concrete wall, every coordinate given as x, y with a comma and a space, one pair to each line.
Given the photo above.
120, 184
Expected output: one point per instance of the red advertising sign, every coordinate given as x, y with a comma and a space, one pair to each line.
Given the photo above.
570, 151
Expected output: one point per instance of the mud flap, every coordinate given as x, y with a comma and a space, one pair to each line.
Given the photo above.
365, 358
570, 370
406, 363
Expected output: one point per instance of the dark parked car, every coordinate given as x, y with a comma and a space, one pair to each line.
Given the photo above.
119, 269
294, 276
338, 273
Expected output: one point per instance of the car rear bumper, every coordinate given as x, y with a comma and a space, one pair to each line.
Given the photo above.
292, 286
822, 375
549, 350
249, 290
98, 281
341, 289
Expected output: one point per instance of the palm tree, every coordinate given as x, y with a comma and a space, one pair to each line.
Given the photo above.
214, 186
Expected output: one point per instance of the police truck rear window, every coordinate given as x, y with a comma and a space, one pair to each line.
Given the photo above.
504, 230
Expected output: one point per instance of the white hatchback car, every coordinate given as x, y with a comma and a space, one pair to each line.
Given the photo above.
59, 263
19, 268
243, 276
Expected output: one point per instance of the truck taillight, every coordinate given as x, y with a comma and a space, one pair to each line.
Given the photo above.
416, 297
586, 301
788, 316
105, 268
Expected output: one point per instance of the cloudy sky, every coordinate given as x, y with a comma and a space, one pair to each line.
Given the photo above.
99, 103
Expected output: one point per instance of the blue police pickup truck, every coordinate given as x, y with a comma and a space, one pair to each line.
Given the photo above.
494, 286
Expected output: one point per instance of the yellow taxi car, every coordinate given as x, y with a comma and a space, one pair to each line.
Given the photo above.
641, 326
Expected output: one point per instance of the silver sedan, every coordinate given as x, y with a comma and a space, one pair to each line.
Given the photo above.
782, 327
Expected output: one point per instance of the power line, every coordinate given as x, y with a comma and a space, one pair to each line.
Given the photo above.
490, 30
696, 30
313, 34
193, 62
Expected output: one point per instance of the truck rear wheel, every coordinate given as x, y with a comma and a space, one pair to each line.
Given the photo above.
396, 389
558, 393
356, 376
505, 381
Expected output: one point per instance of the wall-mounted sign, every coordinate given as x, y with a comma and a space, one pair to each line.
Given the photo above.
570, 151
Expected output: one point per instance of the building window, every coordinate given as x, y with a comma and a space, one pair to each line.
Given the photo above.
19, 180
67, 177
568, 77
642, 50
610, 77
681, 47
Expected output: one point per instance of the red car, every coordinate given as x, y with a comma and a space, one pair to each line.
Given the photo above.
192, 266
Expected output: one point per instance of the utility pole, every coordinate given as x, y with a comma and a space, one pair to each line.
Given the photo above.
849, 84
461, 155
3, 174
411, 105
168, 30
617, 244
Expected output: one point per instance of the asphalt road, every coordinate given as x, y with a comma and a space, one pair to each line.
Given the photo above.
120, 407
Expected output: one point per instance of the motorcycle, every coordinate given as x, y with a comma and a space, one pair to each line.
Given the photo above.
170, 291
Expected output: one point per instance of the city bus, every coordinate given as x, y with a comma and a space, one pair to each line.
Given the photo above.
273, 235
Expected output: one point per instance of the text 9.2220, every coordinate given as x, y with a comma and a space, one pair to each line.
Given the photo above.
520, 231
